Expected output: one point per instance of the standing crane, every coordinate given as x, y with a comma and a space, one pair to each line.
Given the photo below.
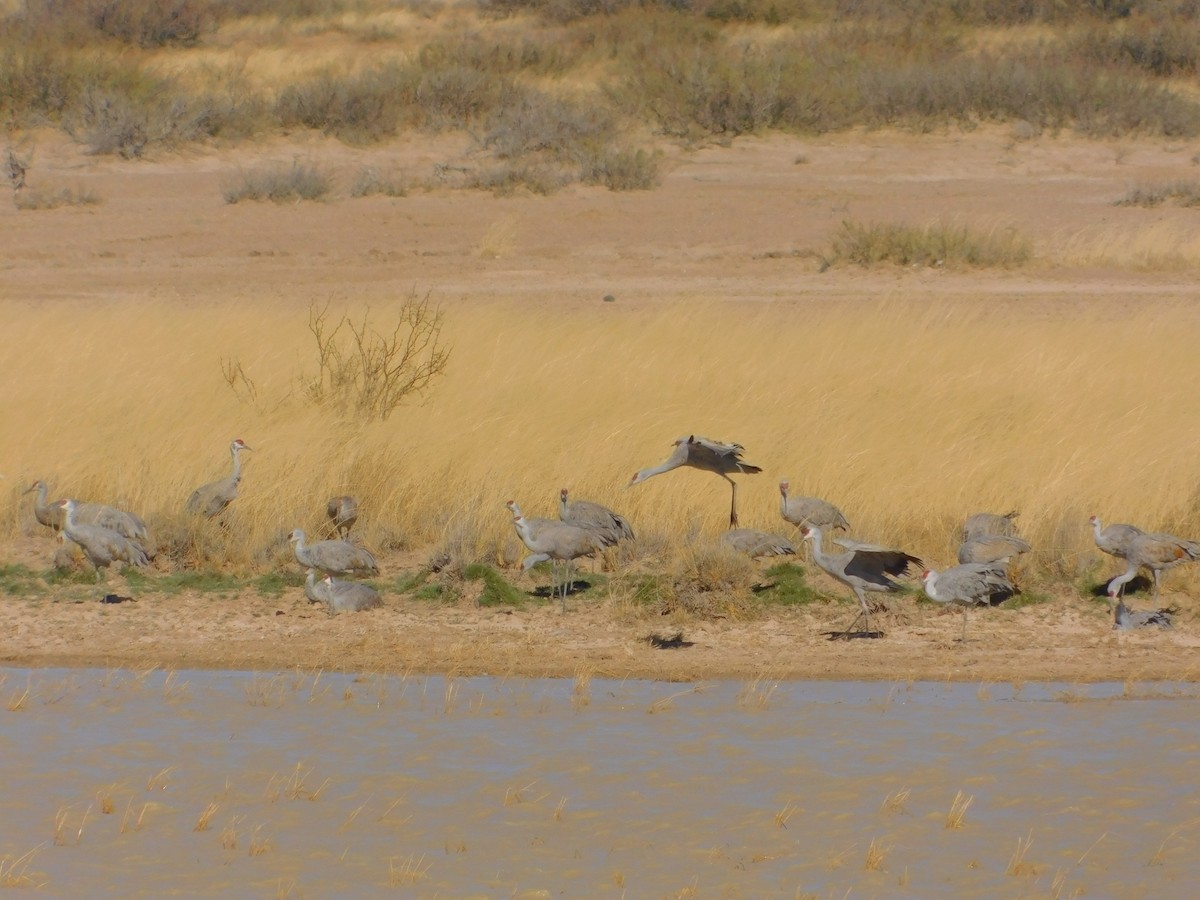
989, 523
709, 456
51, 515
332, 557
1156, 552
211, 499
967, 585
861, 571
600, 519
811, 511
343, 513
102, 546
992, 548
549, 539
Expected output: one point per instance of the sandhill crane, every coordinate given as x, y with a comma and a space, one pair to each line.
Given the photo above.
343, 513
51, 515
312, 591
1156, 552
348, 596
594, 517
757, 544
212, 498
810, 511
708, 455
102, 546
1115, 539
991, 548
333, 557
549, 539
1126, 619
860, 570
989, 523
968, 584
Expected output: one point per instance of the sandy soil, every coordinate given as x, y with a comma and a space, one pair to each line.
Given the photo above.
732, 222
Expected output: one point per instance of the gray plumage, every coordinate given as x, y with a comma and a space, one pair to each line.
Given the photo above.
1115, 539
982, 524
860, 570
102, 546
707, 455
1156, 552
343, 513
348, 596
51, 515
991, 548
757, 544
314, 593
809, 511
550, 539
1126, 619
333, 557
594, 517
211, 499
967, 585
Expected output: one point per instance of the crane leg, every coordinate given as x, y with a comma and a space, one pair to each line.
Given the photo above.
733, 520
1155, 573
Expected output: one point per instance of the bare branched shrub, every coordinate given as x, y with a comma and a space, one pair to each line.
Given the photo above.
932, 245
371, 181
126, 122
369, 372
624, 169
280, 183
1181, 193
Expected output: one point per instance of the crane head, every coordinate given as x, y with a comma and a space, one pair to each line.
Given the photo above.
35, 486
926, 575
1095, 520
512, 507
239, 444
562, 494
296, 535
783, 487
806, 532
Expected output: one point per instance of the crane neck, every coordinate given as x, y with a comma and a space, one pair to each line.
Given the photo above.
237, 463
1096, 529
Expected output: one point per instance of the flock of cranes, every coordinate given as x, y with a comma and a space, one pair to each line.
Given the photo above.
107, 535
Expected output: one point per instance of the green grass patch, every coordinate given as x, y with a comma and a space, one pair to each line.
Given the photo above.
274, 584
18, 581
496, 591
786, 586
1025, 598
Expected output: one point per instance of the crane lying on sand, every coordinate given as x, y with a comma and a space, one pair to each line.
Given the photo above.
1126, 619
332, 557
967, 585
1156, 552
342, 513
708, 455
861, 571
211, 499
102, 546
980, 524
341, 596
550, 539
51, 515
612, 526
757, 544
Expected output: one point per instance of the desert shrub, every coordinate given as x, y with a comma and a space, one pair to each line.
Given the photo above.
1182, 193
1167, 47
930, 245
151, 23
125, 124
508, 178
369, 106
455, 96
537, 122
368, 372
532, 54
371, 181
279, 183
623, 169
53, 198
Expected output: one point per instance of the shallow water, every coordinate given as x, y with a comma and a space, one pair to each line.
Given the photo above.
425, 786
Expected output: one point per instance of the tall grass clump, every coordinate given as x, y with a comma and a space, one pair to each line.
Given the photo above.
1184, 192
871, 244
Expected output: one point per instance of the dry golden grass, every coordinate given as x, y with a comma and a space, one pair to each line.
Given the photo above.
908, 415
